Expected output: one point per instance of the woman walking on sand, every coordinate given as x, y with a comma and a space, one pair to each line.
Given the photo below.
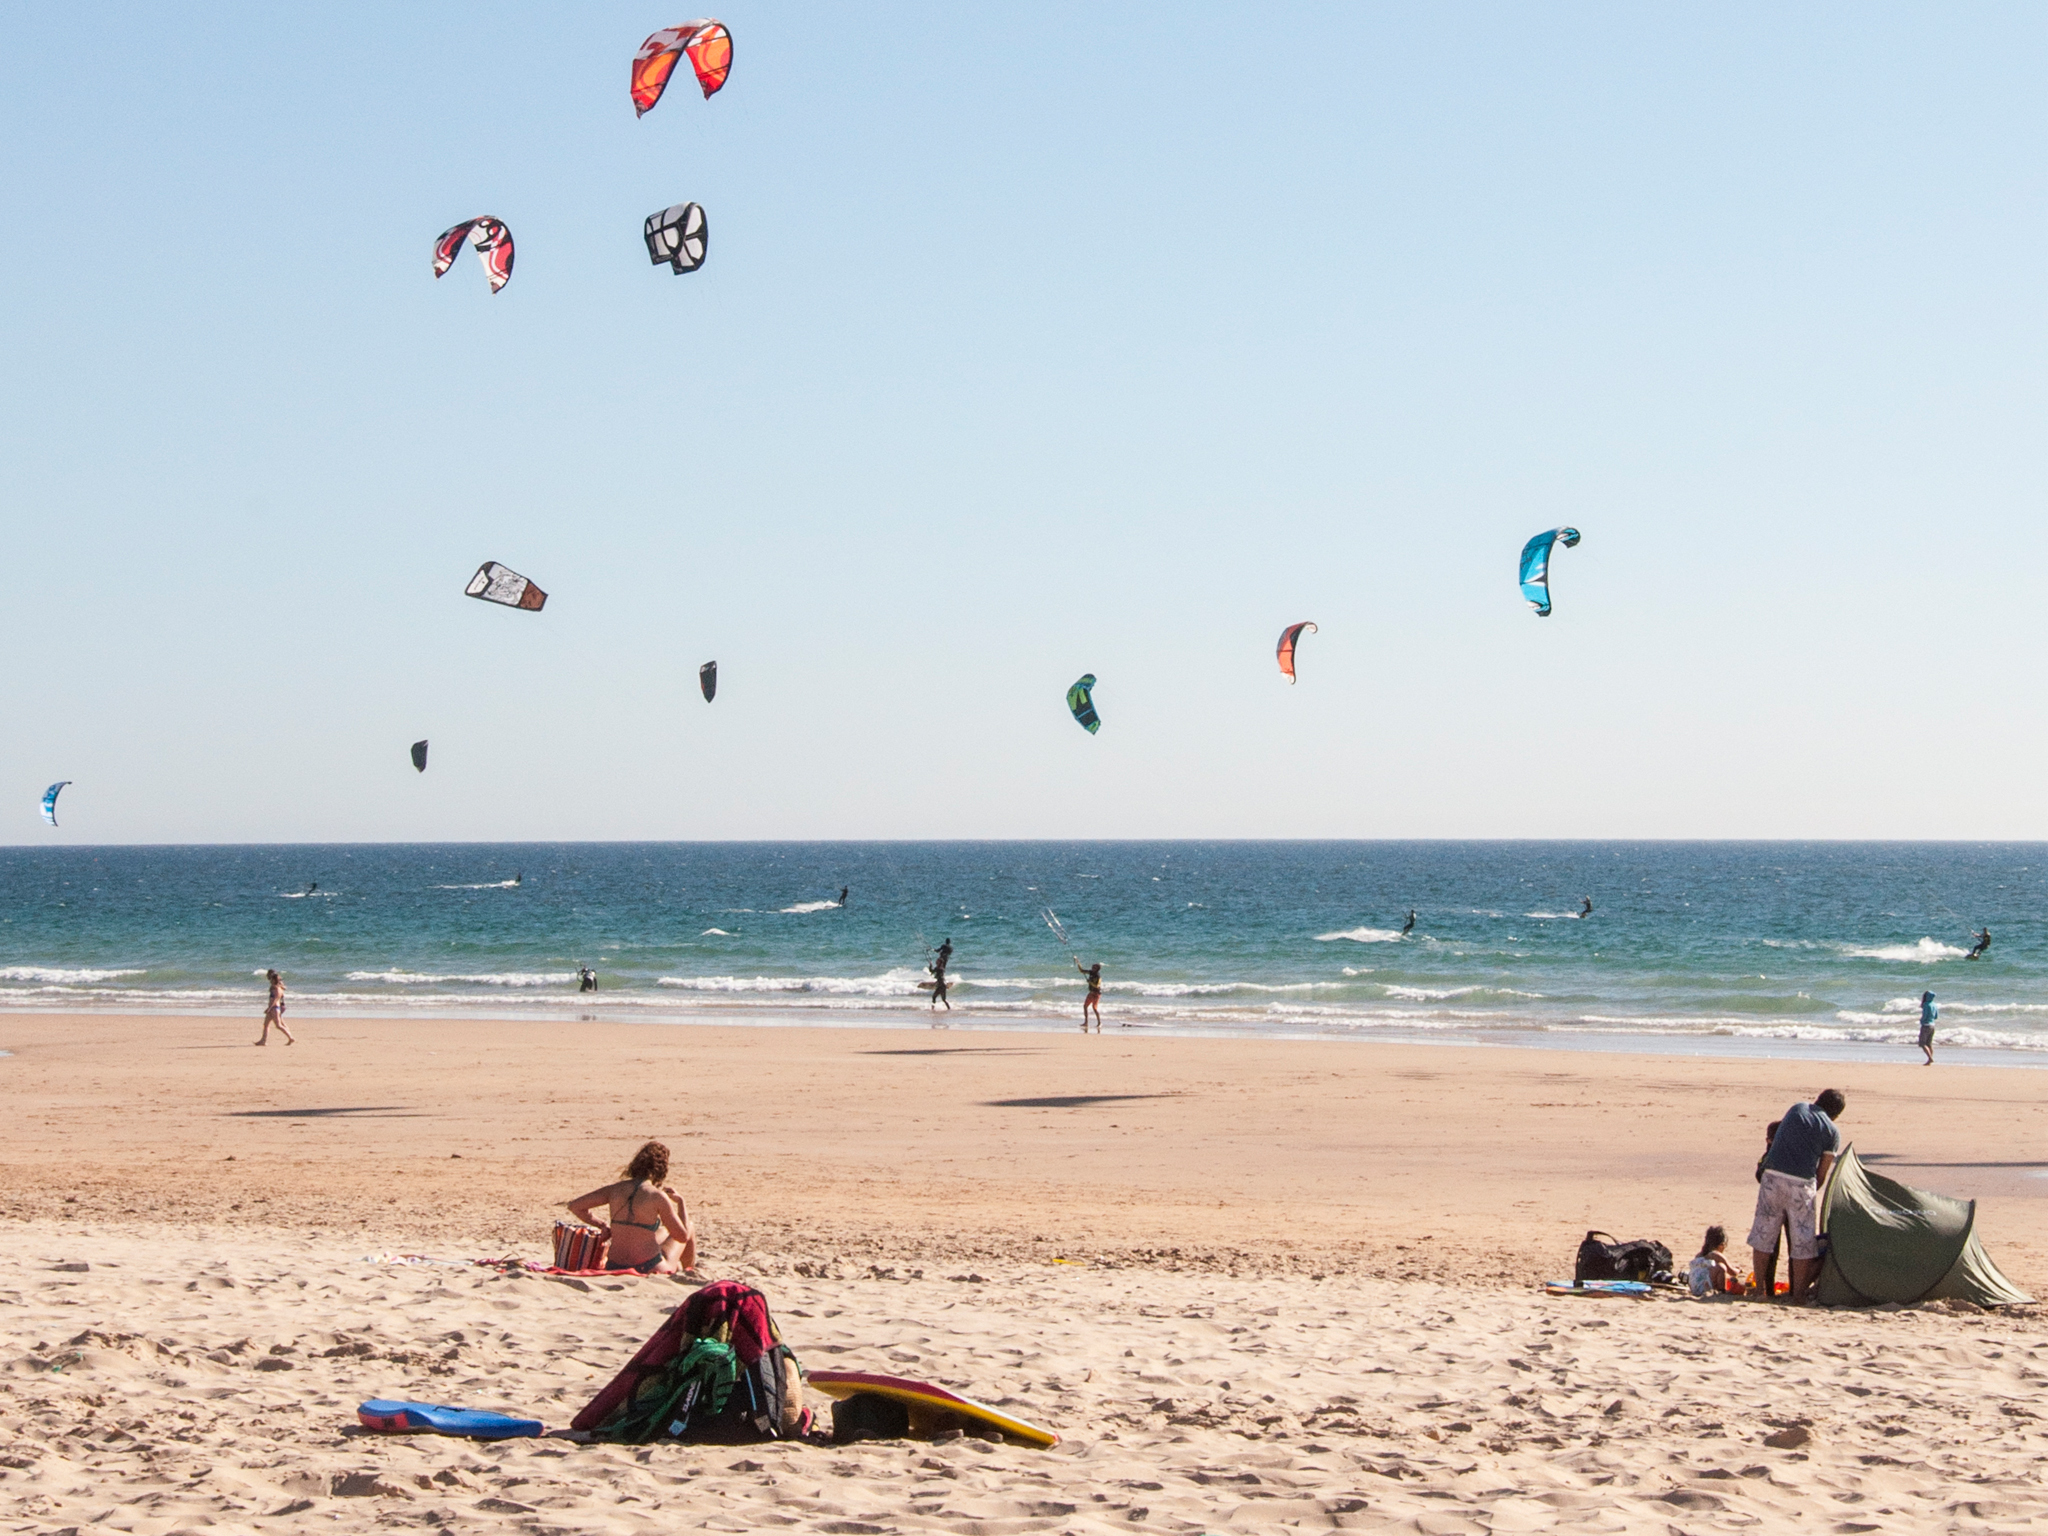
273, 1012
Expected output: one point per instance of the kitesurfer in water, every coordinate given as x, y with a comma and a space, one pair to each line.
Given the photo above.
1092, 1003
842, 895
940, 961
1982, 946
273, 1011
519, 877
1409, 926
586, 979
312, 886
1587, 909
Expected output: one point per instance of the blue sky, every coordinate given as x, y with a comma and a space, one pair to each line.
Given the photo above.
1033, 341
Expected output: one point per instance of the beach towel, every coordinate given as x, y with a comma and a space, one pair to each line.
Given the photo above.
579, 1248
763, 1402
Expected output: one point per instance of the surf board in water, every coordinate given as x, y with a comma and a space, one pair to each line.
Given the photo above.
932, 1408
399, 1418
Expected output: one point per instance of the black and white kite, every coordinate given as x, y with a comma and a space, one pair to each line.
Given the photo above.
419, 756
495, 583
678, 236
707, 679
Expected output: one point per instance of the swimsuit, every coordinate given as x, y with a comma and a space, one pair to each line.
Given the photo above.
646, 1267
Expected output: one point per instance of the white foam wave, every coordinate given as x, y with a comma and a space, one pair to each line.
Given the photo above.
1911, 1005
709, 932
810, 906
1358, 970
60, 976
900, 982
1445, 994
1550, 914
1361, 936
1925, 952
487, 979
488, 885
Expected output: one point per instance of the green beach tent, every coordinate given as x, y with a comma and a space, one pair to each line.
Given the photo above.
1890, 1243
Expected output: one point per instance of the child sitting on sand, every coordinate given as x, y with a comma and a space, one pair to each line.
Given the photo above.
1711, 1273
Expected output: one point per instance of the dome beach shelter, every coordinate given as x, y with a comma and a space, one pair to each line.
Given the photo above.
1889, 1243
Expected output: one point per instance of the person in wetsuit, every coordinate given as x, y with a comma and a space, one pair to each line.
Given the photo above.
1587, 909
586, 979
1409, 926
639, 1245
943, 959
842, 895
1092, 1003
1982, 946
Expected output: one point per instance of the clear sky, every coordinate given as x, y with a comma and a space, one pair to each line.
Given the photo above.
1034, 340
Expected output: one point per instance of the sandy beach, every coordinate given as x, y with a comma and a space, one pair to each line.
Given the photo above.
1253, 1284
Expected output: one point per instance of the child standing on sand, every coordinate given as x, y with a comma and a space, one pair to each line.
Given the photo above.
273, 1012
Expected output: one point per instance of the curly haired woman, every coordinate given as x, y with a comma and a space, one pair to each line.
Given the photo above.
636, 1244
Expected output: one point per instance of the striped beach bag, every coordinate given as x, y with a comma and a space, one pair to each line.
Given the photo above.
580, 1247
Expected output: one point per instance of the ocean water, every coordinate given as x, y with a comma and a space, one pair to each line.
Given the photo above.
1770, 948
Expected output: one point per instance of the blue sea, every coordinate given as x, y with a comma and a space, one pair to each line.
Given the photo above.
1758, 948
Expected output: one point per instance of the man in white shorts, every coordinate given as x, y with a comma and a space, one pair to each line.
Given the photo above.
1801, 1154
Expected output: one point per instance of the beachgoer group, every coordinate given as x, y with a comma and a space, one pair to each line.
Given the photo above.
1802, 1150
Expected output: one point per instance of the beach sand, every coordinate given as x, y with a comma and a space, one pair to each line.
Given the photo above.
1254, 1284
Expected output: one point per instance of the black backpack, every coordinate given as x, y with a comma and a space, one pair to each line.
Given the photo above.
1610, 1260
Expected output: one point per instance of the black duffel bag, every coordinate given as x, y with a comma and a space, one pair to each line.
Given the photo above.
1610, 1260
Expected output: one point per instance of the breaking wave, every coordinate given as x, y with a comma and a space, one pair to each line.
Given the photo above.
488, 979
58, 976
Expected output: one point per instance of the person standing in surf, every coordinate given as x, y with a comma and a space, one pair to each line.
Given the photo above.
1929, 1012
1092, 1003
940, 961
273, 1011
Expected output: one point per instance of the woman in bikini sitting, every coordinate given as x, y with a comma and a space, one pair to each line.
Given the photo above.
637, 1244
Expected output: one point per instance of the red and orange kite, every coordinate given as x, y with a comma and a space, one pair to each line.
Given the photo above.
707, 43
1288, 638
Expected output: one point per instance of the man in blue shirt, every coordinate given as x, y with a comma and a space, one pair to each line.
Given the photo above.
1801, 1154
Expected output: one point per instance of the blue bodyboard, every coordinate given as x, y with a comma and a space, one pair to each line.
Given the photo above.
1598, 1288
395, 1418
